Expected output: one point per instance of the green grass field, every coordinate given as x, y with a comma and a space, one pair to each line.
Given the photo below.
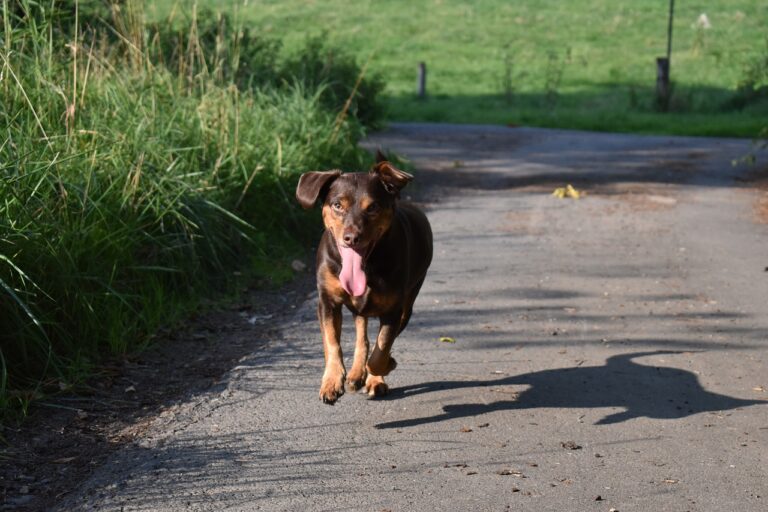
587, 65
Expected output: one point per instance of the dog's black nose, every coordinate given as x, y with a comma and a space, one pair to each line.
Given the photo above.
351, 239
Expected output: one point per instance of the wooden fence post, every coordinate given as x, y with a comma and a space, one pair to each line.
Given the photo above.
662, 83
663, 87
422, 85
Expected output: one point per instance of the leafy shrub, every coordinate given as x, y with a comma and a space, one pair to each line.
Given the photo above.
753, 86
316, 63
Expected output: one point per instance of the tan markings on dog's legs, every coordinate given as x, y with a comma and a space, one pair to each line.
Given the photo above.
331, 284
375, 385
356, 376
332, 386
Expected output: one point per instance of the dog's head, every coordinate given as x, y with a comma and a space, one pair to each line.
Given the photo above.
357, 207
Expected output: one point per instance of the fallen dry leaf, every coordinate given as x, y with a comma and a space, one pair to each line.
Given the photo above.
447, 339
570, 445
513, 472
567, 191
465, 429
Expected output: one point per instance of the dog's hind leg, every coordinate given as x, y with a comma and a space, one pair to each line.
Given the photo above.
381, 363
408, 306
356, 376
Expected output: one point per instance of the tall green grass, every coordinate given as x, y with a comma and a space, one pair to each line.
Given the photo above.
138, 170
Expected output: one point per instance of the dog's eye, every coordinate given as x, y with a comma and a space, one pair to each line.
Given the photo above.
336, 205
372, 208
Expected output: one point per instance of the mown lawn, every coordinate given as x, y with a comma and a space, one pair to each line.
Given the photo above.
588, 65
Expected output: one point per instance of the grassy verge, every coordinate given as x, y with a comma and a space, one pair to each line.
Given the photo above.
496, 110
588, 65
144, 166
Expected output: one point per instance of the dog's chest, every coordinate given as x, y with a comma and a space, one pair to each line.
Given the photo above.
374, 302
379, 297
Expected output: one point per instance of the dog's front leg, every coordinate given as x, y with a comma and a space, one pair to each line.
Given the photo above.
381, 363
332, 386
357, 374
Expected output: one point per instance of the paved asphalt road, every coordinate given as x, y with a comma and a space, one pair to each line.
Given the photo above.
610, 352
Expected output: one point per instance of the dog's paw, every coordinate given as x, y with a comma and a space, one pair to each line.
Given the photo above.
356, 380
332, 388
375, 386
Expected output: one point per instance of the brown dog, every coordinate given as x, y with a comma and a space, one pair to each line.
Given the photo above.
372, 258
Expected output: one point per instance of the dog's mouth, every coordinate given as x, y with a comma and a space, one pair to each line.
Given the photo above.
352, 275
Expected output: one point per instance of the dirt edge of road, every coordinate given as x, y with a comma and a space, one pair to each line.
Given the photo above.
66, 438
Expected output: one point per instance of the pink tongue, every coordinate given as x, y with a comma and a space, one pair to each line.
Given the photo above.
352, 276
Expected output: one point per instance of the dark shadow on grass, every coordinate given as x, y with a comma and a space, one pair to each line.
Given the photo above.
641, 391
607, 107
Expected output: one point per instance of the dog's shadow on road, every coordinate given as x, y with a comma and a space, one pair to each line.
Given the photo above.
640, 390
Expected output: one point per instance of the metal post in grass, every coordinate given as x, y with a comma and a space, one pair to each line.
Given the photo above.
663, 87
421, 91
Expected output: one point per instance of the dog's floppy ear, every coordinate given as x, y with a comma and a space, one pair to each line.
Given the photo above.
314, 185
391, 177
